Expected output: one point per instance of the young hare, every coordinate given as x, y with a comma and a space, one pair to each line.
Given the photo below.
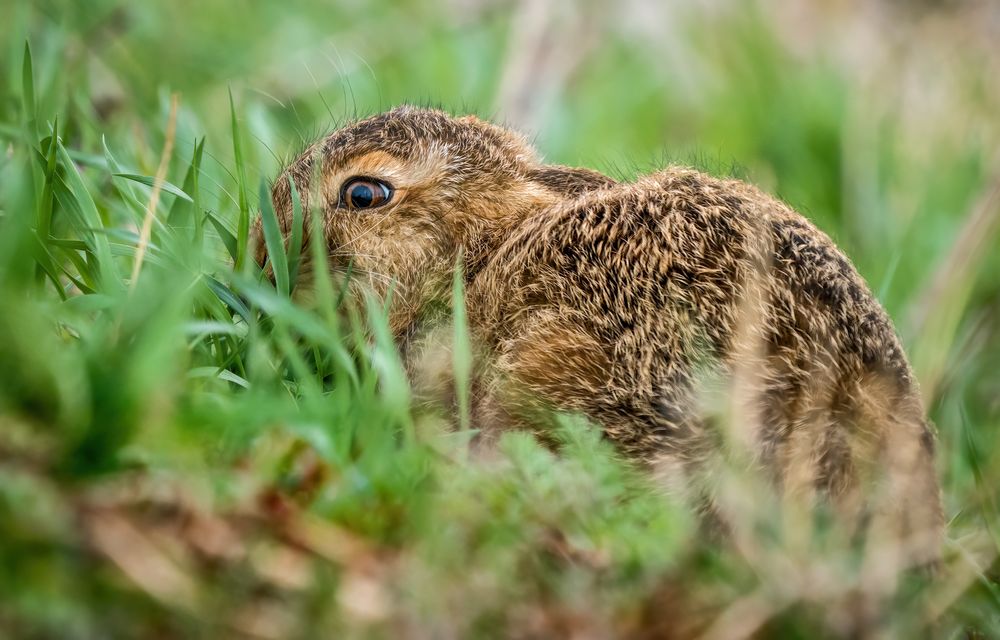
625, 302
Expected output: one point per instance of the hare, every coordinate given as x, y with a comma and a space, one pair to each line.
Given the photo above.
625, 302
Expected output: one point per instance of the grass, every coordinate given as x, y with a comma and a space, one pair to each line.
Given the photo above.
185, 452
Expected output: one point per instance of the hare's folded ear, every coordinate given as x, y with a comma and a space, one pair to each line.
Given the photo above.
569, 181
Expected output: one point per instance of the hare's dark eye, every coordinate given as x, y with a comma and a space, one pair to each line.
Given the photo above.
365, 193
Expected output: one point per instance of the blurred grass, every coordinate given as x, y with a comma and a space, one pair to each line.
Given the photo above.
192, 455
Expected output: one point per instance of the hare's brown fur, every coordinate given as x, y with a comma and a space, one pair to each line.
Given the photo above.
626, 302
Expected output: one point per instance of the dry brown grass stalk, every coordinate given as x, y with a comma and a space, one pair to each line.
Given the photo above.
154, 197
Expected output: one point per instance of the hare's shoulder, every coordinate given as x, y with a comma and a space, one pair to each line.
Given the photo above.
617, 255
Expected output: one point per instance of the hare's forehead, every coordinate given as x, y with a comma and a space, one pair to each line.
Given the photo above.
432, 166
395, 135
429, 138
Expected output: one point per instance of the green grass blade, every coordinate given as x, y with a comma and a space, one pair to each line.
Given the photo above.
150, 181
199, 220
229, 298
322, 283
125, 188
43, 218
393, 382
228, 239
184, 211
76, 198
461, 354
28, 93
273, 240
243, 224
295, 241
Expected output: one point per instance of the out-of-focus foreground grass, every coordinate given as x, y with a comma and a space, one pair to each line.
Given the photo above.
184, 452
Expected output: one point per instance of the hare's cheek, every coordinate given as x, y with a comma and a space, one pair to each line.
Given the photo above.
345, 235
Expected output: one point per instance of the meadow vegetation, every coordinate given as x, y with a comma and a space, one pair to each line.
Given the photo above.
186, 452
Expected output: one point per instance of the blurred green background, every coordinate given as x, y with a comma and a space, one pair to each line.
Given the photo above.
878, 119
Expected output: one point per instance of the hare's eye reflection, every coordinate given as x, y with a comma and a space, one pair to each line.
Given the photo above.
365, 193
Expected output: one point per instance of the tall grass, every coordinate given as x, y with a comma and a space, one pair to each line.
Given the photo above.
185, 451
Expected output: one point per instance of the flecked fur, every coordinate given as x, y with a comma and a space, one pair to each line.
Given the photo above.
625, 302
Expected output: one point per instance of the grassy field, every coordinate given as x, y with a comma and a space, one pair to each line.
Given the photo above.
184, 452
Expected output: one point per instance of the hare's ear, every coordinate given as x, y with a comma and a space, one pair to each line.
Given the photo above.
570, 181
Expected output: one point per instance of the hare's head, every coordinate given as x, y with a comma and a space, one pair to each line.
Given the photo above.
404, 192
